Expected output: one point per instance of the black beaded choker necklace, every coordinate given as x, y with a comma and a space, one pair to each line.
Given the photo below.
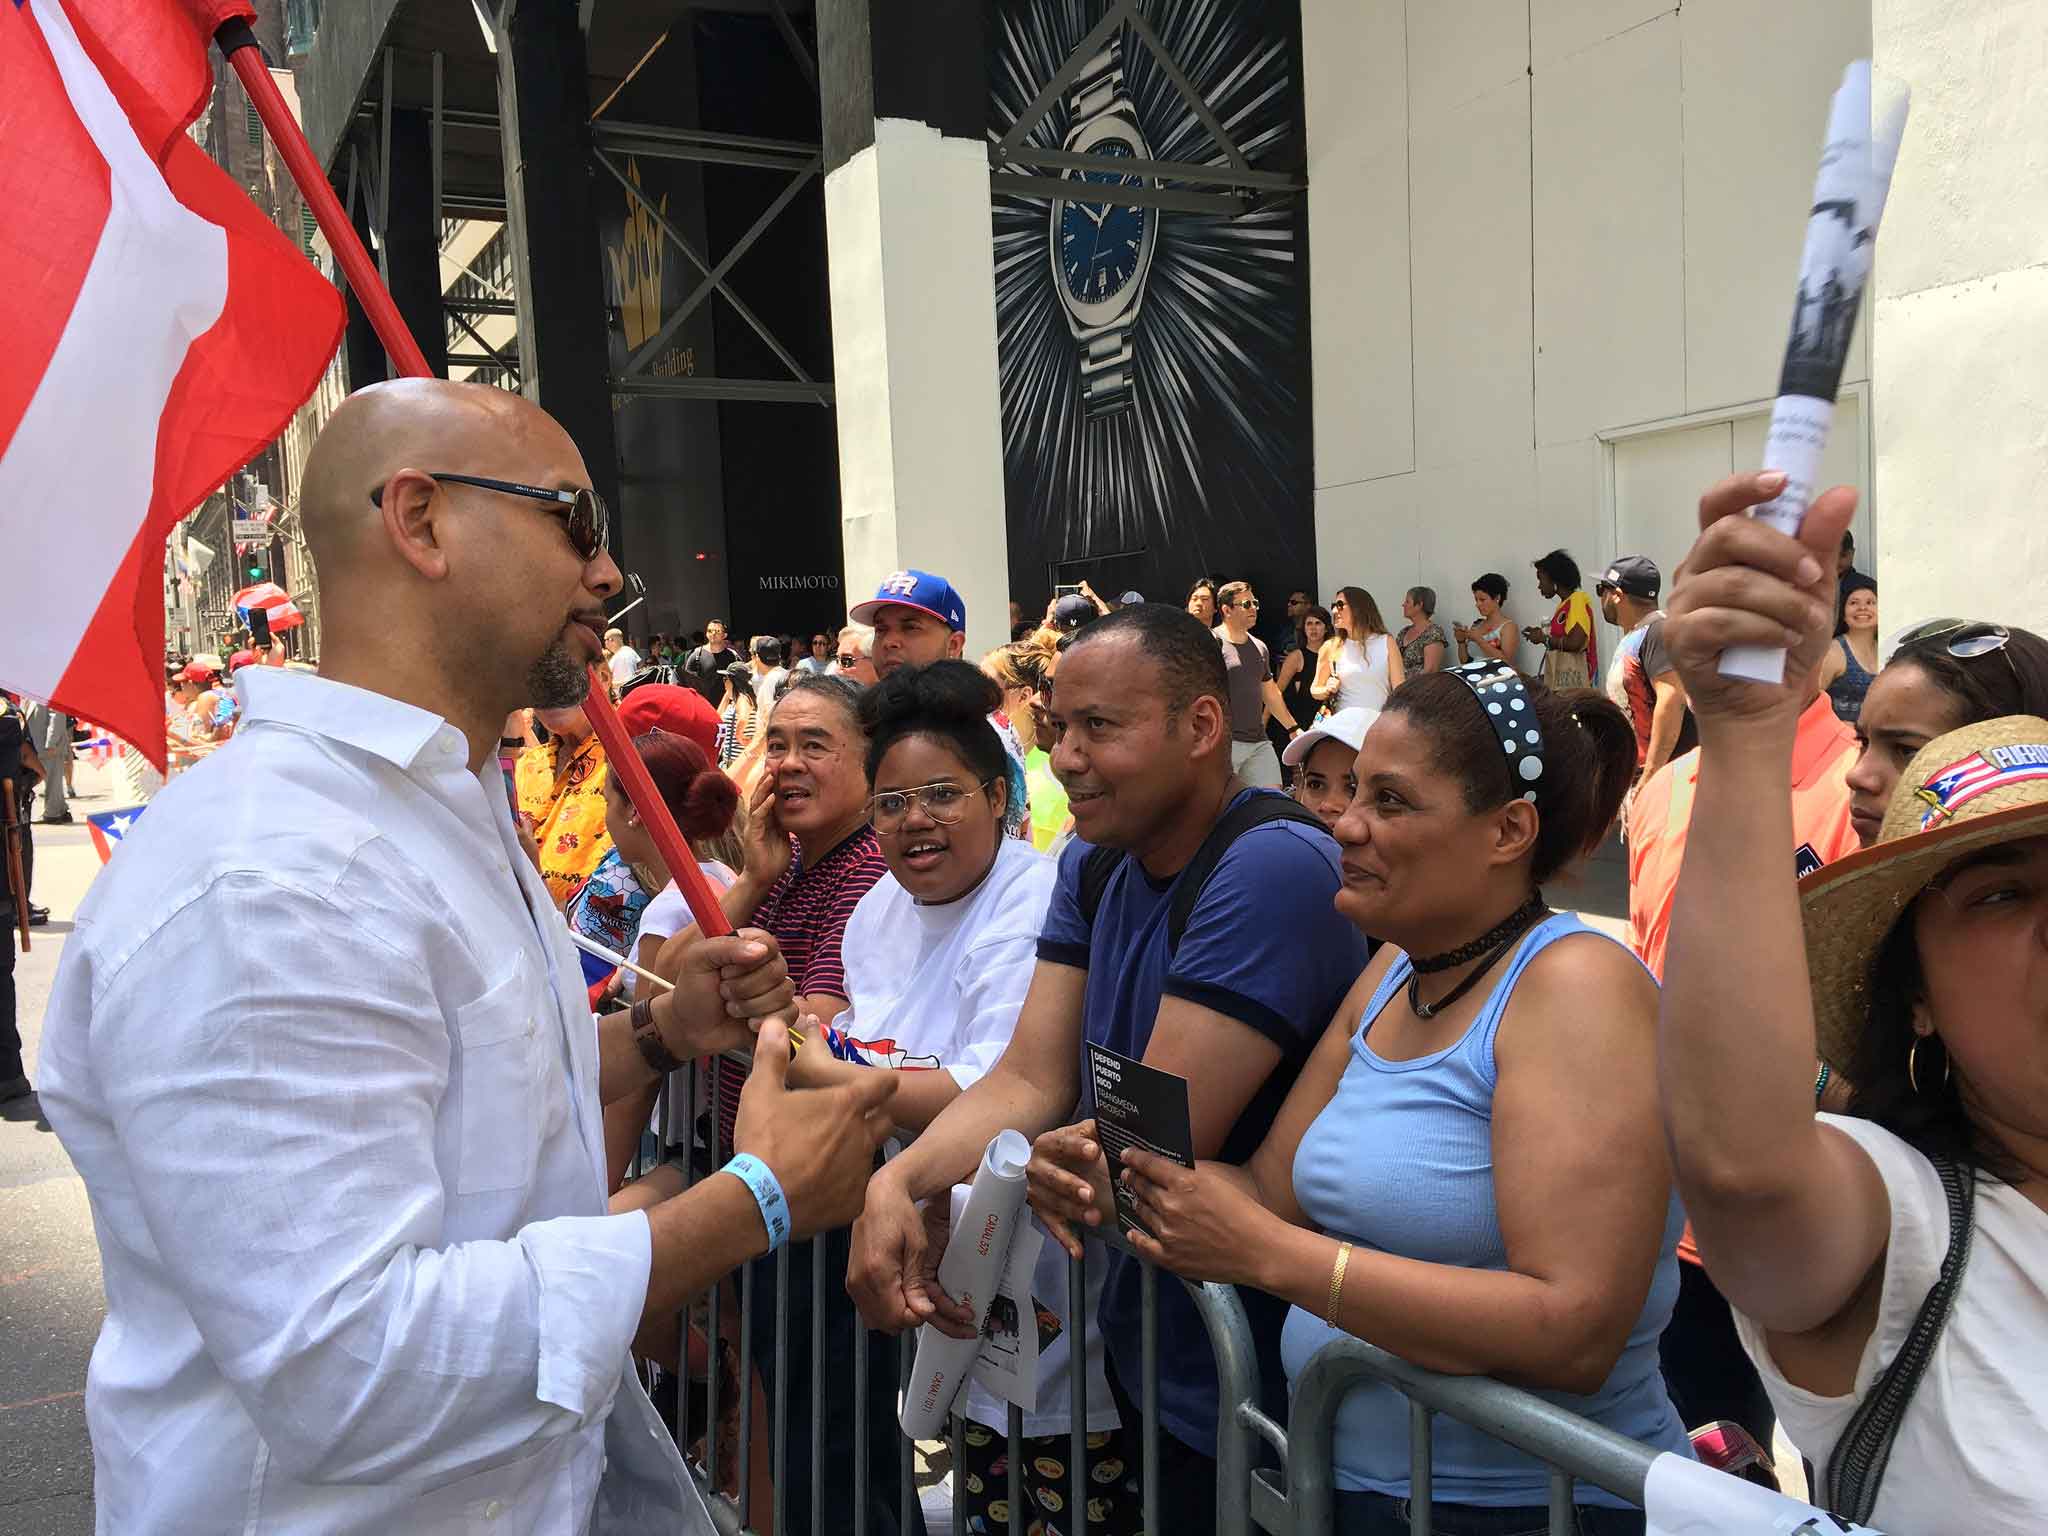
1494, 943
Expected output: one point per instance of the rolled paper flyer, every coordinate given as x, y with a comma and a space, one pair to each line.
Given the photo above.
1848, 201
970, 1272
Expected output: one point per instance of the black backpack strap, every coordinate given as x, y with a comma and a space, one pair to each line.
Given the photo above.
1096, 869
1252, 811
1857, 1465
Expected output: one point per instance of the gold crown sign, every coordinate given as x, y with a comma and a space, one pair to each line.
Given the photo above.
636, 266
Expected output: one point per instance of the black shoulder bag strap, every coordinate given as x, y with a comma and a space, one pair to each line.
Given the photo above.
1252, 811
1857, 1465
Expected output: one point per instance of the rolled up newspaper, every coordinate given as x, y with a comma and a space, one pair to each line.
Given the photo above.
1848, 201
972, 1266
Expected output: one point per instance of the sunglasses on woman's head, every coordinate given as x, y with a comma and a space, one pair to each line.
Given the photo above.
1961, 638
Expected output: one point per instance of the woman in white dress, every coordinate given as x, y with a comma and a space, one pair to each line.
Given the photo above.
1359, 665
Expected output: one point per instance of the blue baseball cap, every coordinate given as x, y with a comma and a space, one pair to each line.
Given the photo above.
915, 589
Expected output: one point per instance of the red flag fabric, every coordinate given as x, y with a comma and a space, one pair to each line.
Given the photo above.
161, 330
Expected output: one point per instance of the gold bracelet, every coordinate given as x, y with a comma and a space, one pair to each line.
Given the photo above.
1337, 1282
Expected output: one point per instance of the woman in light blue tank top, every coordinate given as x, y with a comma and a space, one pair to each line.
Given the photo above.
1470, 1171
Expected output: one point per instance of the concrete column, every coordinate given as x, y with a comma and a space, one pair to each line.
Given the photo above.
1961, 284
412, 242
551, 220
364, 352
907, 221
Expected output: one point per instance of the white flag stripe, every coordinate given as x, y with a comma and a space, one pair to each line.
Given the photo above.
80, 470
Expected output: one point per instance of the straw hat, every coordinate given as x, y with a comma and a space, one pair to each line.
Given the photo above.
1973, 788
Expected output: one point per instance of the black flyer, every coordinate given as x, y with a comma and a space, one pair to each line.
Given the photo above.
1137, 1106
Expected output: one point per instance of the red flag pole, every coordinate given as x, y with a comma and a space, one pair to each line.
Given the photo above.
238, 45
639, 786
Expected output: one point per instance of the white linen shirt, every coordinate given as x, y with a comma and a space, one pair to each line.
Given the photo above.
333, 1092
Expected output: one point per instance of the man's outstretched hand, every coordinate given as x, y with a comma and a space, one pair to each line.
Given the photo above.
892, 1273
819, 1143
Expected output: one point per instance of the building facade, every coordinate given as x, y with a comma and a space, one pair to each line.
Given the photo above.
1379, 292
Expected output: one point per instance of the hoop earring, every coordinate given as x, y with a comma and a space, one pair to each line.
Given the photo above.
1913, 1065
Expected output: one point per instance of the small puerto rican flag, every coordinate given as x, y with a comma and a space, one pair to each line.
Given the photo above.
109, 827
1962, 782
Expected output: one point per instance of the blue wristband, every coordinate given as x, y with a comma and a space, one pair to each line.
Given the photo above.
767, 1193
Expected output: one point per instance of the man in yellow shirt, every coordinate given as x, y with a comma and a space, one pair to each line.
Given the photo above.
561, 798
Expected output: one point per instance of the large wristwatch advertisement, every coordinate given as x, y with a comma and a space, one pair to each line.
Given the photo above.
1101, 252
1153, 362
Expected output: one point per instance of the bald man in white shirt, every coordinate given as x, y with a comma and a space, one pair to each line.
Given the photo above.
348, 1173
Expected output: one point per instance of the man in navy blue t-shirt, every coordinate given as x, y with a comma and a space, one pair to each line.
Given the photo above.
1141, 702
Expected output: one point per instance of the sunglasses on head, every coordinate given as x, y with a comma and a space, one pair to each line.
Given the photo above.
586, 521
1961, 638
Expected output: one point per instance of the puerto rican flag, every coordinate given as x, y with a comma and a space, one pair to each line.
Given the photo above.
109, 827
160, 330
1963, 781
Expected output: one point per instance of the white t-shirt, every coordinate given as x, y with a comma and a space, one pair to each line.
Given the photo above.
941, 987
765, 684
1968, 1455
668, 914
1363, 681
624, 663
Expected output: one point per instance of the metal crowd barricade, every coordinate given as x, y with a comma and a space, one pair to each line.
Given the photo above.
1295, 1497
1302, 1501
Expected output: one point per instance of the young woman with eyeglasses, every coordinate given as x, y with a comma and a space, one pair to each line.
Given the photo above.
939, 957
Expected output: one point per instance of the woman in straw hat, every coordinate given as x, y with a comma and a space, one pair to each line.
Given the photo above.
1887, 1267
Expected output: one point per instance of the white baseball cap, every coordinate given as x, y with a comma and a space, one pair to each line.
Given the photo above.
1347, 725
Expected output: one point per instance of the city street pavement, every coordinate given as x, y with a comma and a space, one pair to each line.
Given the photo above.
50, 1300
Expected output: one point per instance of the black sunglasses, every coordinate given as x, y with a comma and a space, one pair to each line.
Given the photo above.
1961, 638
847, 663
587, 523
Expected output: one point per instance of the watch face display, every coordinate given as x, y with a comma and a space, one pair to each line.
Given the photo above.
1101, 244
1153, 361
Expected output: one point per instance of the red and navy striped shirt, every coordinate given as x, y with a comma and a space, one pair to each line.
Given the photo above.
806, 910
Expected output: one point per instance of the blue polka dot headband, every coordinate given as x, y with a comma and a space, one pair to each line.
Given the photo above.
1505, 697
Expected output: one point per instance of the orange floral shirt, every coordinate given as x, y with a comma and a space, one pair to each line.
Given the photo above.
564, 800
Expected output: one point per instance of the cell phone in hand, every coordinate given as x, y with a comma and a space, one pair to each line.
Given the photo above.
1065, 591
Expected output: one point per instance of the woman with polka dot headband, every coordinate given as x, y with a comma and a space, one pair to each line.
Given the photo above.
1470, 1170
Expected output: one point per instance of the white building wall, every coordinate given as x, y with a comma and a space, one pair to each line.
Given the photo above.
1961, 286
1536, 229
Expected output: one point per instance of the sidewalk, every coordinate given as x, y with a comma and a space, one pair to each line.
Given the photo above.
50, 1300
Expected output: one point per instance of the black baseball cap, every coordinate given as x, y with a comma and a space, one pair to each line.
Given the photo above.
1072, 611
1634, 576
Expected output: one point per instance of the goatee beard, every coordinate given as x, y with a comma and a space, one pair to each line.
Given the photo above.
555, 681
